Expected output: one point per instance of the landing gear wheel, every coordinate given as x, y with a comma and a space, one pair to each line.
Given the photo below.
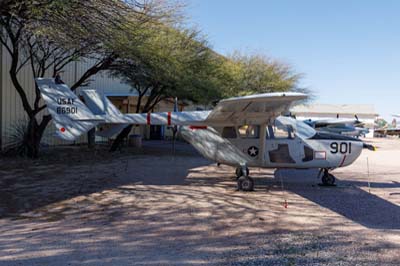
328, 179
245, 183
239, 172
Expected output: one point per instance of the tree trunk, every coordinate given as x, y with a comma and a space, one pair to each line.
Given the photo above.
33, 136
121, 136
91, 138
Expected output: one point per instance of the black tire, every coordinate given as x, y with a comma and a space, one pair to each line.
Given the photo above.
245, 183
328, 179
240, 173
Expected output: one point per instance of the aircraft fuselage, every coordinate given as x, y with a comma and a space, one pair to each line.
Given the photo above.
327, 151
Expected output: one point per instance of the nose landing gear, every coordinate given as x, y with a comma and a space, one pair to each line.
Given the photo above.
242, 171
327, 178
244, 181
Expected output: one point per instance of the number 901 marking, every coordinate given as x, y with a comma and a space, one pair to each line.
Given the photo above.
342, 147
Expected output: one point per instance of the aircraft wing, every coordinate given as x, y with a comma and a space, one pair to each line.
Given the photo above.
254, 108
334, 121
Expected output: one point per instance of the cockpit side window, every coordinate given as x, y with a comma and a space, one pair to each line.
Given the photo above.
280, 132
249, 131
287, 127
229, 133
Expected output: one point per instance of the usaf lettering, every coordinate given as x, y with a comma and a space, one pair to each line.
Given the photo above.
66, 109
65, 101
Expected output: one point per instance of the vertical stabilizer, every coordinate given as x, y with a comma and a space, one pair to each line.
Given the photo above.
70, 115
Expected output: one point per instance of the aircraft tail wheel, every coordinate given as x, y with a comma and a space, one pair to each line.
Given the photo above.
239, 172
245, 183
328, 179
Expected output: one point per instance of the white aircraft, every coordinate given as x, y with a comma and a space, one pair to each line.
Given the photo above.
348, 127
392, 129
242, 132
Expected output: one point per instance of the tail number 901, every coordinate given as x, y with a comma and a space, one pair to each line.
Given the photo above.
342, 147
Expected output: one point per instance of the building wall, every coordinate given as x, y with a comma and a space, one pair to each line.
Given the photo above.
12, 114
11, 109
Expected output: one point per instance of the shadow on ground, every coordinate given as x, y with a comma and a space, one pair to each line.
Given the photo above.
67, 172
148, 208
346, 199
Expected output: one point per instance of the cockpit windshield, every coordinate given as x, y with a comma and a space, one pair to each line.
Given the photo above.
299, 128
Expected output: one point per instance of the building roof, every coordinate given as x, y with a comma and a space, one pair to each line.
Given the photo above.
351, 109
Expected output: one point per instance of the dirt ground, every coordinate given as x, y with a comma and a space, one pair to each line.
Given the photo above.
81, 207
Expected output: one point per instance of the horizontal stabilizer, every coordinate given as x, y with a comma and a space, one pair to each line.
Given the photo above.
101, 105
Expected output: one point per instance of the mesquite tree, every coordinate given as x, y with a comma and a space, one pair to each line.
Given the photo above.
257, 73
176, 62
47, 35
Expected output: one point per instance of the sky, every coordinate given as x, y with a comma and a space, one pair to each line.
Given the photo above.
348, 51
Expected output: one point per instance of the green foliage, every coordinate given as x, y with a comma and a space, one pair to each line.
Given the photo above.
47, 35
257, 73
381, 123
16, 144
143, 42
170, 62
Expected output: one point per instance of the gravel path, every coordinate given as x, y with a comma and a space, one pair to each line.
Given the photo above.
148, 208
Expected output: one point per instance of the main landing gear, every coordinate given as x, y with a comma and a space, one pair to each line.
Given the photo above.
327, 178
244, 181
242, 171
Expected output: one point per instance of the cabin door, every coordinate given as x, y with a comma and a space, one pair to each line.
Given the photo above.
282, 148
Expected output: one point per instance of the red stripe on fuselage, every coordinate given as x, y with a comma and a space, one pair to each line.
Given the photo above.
198, 127
341, 164
148, 118
169, 118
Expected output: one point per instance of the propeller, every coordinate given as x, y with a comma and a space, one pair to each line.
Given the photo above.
358, 123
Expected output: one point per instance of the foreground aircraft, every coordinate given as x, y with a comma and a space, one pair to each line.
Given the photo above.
348, 127
242, 132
